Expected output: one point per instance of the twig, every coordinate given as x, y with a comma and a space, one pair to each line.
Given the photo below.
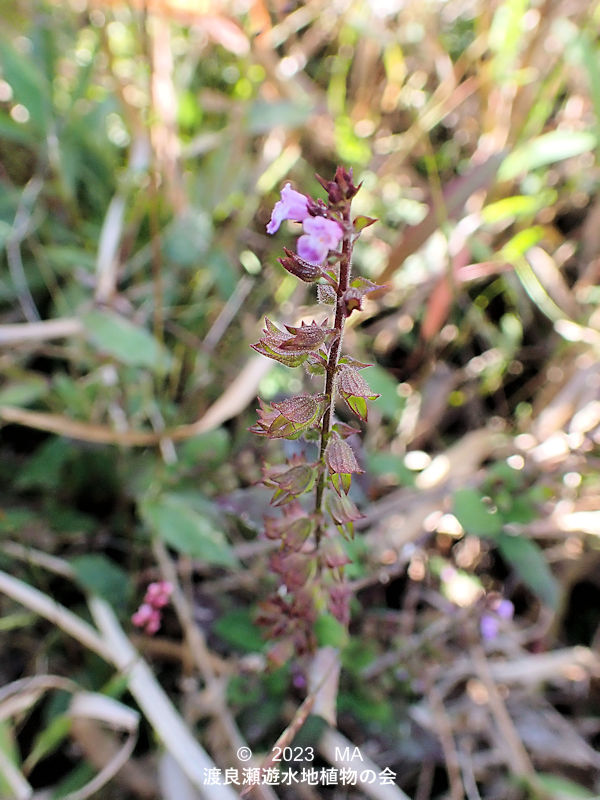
40, 331
517, 758
233, 400
202, 658
56, 613
115, 648
332, 743
444, 731
158, 709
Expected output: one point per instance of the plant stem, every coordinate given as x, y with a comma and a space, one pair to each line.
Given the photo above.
332, 362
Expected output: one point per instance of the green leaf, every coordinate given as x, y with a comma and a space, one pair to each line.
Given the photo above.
521, 242
180, 525
563, 788
381, 382
49, 740
361, 222
187, 240
390, 465
237, 628
23, 392
546, 149
97, 574
358, 405
44, 469
206, 450
15, 131
264, 116
474, 515
15, 519
125, 341
29, 85
520, 205
528, 561
330, 632
10, 751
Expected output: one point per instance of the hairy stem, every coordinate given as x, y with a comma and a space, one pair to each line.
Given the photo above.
332, 362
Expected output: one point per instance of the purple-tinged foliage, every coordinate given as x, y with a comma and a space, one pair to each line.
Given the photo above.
354, 389
310, 559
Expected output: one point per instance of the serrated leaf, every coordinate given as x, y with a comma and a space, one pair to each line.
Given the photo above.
350, 381
354, 389
306, 338
340, 458
129, 343
173, 518
302, 409
528, 561
473, 514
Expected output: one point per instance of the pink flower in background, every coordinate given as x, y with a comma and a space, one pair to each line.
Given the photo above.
158, 593
148, 615
148, 618
292, 205
320, 236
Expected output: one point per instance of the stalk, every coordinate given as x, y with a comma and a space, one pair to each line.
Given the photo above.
332, 362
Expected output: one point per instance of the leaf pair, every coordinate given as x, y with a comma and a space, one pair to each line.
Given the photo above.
289, 418
295, 346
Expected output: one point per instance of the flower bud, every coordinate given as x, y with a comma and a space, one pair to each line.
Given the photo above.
304, 270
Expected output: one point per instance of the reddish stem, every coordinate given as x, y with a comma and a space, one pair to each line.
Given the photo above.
332, 362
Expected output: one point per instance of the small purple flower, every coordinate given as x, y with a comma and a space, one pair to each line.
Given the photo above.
489, 624
505, 609
292, 205
320, 236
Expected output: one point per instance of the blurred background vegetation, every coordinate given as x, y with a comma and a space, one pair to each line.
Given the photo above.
142, 146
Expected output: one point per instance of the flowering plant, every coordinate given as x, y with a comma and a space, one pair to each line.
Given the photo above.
309, 561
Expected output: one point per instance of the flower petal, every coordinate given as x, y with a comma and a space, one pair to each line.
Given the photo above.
311, 249
292, 205
327, 230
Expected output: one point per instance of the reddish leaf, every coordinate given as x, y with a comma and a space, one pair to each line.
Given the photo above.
340, 457
307, 338
354, 389
302, 409
304, 270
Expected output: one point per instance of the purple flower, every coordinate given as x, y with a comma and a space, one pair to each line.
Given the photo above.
320, 236
489, 626
292, 205
490, 620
